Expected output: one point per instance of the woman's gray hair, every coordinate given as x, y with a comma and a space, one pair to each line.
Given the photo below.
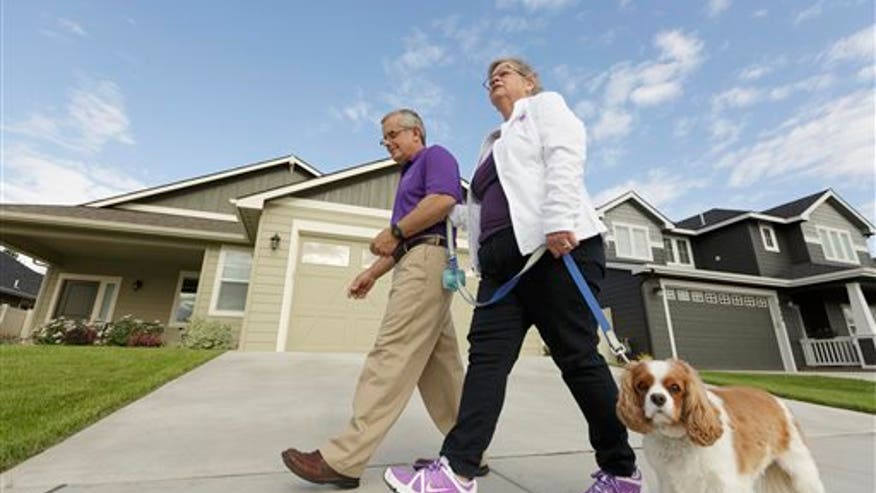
520, 67
407, 119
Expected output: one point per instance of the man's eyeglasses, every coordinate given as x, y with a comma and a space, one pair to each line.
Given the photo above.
391, 135
504, 72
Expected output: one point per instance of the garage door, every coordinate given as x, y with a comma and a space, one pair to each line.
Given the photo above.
722, 330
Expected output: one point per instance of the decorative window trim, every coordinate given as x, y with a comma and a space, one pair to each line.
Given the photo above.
829, 249
767, 236
217, 283
98, 300
313, 258
632, 252
676, 258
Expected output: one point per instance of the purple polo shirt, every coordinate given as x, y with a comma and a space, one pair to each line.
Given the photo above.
486, 187
432, 170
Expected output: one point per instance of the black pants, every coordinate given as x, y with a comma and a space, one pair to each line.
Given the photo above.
547, 297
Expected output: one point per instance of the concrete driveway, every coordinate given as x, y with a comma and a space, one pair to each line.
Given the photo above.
221, 427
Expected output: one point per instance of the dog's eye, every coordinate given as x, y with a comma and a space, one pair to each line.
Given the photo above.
642, 387
674, 388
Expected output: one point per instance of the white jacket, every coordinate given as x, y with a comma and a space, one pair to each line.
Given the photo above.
539, 153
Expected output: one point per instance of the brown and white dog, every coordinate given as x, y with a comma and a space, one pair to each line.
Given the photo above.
729, 440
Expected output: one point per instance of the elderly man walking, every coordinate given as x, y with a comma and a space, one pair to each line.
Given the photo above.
416, 344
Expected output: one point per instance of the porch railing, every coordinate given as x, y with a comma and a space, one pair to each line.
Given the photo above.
839, 351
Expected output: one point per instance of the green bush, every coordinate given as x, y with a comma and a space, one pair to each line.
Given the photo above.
63, 330
204, 334
130, 331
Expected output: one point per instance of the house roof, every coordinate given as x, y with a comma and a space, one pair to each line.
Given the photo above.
124, 220
291, 160
17, 279
634, 197
709, 218
795, 207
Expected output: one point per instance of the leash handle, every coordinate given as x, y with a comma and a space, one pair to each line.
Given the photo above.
617, 348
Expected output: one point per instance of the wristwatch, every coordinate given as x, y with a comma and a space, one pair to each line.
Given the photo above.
396, 231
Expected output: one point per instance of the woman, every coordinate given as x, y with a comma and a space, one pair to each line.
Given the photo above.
528, 191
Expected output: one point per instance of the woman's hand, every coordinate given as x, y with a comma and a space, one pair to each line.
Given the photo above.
560, 242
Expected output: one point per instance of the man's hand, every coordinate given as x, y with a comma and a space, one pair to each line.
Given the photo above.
384, 243
560, 242
360, 286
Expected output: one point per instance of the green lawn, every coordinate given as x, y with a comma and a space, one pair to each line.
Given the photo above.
47, 393
846, 393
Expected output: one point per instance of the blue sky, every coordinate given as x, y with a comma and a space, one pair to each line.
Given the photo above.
722, 103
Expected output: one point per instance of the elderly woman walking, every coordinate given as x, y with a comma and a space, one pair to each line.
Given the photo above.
527, 191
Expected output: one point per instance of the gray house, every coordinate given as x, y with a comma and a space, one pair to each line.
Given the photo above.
18, 283
789, 287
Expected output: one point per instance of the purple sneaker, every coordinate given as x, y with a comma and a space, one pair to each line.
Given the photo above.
609, 483
436, 477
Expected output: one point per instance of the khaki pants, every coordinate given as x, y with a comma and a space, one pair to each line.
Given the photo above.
416, 347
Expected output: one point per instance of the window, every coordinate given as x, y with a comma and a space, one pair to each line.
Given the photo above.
837, 245
768, 236
85, 297
632, 242
325, 254
232, 282
677, 251
850, 319
184, 304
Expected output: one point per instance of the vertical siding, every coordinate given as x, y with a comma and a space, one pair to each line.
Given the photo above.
631, 213
205, 292
828, 215
214, 197
622, 293
727, 249
376, 190
659, 330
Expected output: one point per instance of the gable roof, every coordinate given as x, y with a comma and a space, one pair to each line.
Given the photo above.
18, 279
709, 218
634, 197
291, 160
795, 207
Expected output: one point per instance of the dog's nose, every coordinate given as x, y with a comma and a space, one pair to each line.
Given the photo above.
658, 399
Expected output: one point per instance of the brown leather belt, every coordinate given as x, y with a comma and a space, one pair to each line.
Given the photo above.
407, 245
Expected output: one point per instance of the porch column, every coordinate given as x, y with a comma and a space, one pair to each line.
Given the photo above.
864, 322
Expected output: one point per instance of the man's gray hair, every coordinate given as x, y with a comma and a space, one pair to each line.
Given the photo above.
407, 119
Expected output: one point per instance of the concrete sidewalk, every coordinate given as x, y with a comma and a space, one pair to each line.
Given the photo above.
221, 428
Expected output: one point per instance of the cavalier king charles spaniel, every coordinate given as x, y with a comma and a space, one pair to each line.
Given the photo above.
728, 440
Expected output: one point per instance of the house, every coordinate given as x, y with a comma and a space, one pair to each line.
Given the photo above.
269, 248
18, 283
786, 288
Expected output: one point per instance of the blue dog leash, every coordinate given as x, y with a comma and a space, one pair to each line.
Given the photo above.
454, 280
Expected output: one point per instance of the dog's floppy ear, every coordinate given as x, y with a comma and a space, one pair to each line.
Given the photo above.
630, 408
700, 417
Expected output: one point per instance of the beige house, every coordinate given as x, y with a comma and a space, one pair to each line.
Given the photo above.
267, 248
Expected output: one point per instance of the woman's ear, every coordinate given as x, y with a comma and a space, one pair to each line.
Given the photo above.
630, 409
700, 417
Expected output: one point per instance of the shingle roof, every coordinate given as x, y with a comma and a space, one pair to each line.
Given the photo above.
708, 218
795, 207
124, 216
11, 270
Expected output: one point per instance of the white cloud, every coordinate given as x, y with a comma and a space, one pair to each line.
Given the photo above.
808, 13
533, 5
95, 116
737, 97
867, 74
683, 126
725, 133
659, 188
811, 84
715, 7
757, 71
857, 47
585, 109
612, 124
834, 141
72, 27
33, 177
517, 24
656, 94
420, 53
359, 112
760, 13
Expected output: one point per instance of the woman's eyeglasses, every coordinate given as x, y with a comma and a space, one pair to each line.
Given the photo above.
504, 72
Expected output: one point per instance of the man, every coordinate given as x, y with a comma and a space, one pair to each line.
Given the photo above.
416, 343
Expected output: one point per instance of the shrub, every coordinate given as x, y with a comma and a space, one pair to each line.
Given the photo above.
130, 331
66, 331
204, 334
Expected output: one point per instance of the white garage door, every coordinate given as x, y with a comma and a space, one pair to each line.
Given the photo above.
323, 319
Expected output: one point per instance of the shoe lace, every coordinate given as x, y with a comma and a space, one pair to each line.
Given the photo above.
605, 483
434, 466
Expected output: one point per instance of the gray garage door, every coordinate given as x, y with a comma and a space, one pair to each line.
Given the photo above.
721, 330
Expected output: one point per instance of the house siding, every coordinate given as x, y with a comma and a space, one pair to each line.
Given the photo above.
216, 196
728, 249
795, 330
206, 282
828, 215
622, 293
771, 264
375, 190
630, 213
660, 344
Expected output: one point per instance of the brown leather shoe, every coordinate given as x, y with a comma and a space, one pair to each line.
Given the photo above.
312, 467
